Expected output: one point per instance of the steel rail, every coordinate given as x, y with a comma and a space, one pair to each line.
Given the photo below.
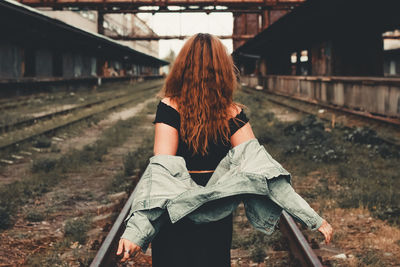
298, 245
387, 120
30, 121
106, 255
24, 99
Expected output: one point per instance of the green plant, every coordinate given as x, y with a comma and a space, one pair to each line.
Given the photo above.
76, 229
42, 142
43, 164
35, 216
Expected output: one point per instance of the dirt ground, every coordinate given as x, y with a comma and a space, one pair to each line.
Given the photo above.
82, 192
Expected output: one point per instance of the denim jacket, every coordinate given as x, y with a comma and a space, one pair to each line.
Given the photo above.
247, 173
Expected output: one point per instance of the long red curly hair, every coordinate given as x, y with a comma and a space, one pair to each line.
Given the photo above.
201, 83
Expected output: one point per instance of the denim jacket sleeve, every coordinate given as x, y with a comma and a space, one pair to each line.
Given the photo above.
255, 159
282, 193
143, 225
147, 212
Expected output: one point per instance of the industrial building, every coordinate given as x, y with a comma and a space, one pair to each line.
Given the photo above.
329, 51
50, 50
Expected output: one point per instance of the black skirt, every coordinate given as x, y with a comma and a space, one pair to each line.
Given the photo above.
187, 244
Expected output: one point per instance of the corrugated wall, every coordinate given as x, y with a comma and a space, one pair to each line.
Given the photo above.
43, 63
11, 58
375, 95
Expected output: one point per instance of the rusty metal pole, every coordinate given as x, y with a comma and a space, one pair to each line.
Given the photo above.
100, 22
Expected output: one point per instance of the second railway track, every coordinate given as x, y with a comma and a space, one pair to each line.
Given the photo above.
59, 119
308, 107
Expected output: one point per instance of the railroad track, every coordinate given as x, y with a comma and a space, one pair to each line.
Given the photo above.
60, 119
299, 247
297, 104
21, 101
30, 121
49, 115
279, 97
23, 122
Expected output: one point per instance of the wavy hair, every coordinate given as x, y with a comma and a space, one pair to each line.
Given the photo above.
201, 83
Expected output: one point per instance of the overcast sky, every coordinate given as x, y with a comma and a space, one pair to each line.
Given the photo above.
188, 24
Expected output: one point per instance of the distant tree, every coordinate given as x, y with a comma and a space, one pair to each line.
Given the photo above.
170, 58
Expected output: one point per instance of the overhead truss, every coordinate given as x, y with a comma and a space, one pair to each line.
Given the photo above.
169, 37
155, 6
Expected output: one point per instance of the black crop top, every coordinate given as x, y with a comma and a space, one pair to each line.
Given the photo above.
216, 151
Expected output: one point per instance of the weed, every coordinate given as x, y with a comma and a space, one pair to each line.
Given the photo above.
43, 164
42, 142
35, 216
76, 229
370, 258
51, 257
5, 220
257, 254
135, 163
47, 259
55, 149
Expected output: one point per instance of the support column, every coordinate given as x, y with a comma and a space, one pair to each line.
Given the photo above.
100, 22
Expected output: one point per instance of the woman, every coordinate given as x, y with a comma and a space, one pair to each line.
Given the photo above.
198, 120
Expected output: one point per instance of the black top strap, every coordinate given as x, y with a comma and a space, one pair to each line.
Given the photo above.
168, 115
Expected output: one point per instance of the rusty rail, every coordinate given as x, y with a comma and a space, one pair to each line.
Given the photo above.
106, 256
368, 115
298, 245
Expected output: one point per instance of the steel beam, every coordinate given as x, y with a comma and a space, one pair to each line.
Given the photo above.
394, 37
180, 37
187, 5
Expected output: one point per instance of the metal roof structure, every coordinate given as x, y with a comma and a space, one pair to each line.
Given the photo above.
318, 20
118, 6
40, 28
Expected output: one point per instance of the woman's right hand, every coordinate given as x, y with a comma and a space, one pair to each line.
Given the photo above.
326, 230
127, 247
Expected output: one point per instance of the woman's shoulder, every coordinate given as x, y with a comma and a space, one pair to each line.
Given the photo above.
235, 110
167, 113
169, 102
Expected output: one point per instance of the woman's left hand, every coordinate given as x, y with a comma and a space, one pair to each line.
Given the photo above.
326, 230
128, 247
